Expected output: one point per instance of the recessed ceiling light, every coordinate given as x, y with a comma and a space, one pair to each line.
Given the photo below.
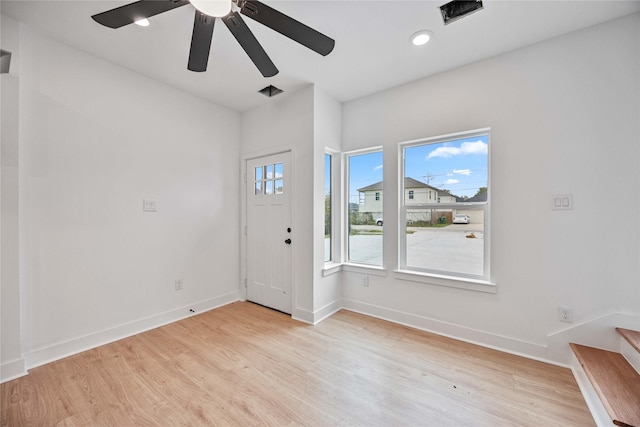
144, 22
421, 37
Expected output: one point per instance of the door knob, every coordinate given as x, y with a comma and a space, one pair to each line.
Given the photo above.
288, 241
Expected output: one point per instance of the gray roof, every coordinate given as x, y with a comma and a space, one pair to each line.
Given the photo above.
482, 197
408, 183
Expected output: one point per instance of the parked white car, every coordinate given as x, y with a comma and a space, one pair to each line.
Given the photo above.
379, 221
461, 219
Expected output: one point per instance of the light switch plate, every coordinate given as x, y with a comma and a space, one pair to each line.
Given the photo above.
149, 206
561, 202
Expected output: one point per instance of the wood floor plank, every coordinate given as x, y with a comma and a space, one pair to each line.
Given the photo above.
243, 364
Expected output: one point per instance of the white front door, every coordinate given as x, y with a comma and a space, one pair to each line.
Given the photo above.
269, 234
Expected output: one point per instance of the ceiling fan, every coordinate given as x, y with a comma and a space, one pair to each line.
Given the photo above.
229, 12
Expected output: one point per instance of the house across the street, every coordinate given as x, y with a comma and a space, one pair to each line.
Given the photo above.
416, 193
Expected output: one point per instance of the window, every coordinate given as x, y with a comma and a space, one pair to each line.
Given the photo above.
445, 232
327, 208
364, 201
268, 179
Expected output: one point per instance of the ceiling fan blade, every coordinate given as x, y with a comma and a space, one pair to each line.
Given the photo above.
250, 44
201, 41
288, 26
130, 13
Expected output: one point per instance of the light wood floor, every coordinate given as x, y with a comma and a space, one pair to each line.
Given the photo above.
243, 364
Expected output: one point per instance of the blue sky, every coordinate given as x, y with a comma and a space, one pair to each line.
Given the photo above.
459, 166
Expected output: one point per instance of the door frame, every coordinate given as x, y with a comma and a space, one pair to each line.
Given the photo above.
244, 253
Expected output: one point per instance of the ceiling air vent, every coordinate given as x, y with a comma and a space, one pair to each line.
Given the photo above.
457, 9
5, 61
270, 91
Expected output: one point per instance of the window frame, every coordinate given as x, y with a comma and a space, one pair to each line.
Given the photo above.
268, 180
332, 223
345, 214
442, 277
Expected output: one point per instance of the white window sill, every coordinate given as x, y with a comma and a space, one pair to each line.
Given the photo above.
331, 268
372, 270
448, 281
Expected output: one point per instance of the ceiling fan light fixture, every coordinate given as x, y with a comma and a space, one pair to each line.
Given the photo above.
144, 22
215, 8
421, 37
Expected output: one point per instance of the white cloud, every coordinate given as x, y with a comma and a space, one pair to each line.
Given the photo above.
444, 152
477, 147
451, 181
462, 171
377, 168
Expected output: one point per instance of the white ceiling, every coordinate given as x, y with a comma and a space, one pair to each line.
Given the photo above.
372, 50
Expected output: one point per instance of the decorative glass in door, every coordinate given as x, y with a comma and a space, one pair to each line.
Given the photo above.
269, 179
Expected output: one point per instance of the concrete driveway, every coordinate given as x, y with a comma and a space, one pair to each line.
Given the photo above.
435, 248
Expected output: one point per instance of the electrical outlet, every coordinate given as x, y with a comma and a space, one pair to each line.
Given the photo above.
565, 314
364, 281
179, 284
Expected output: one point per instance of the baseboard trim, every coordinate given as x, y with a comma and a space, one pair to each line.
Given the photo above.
11, 370
68, 348
473, 336
631, 354
317, 316
302, 315
326, 311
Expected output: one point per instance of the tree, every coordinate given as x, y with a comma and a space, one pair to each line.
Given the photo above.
481, 190
327, 215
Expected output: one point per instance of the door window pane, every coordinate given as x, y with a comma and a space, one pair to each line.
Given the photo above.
269, 179
279, 186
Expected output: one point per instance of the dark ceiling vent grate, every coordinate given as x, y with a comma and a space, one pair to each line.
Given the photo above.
270, 91
5, 61
458, 9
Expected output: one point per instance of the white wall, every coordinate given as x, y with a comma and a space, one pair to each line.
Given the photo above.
286, 123
327, 135
11, 361
95, 140
564, 118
